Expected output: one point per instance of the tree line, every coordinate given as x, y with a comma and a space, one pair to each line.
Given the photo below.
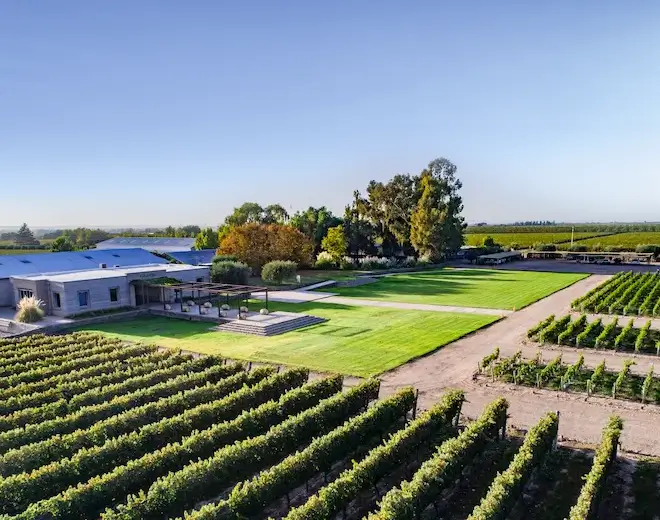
407, 215
417, 215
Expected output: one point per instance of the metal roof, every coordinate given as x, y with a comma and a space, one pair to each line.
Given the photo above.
41, 263
205, 256
501, 256
149, 242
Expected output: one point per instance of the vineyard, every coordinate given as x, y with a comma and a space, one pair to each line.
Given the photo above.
626, 293
626, 240
526, 239
573, 377
581, 333
94, 428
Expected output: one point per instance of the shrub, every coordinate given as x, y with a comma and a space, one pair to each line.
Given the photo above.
346, 264
324, 261
371, 263
409, 261
278, 270
29, 310
423, 261
545, 247
225, 258
236, 273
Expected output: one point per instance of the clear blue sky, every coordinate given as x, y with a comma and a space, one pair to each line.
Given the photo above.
130, 112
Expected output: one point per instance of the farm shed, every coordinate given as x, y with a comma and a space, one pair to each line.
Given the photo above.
500, 258
67, 294
65, 262
157, 244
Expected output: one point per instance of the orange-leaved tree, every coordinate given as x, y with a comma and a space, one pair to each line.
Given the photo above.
257, 244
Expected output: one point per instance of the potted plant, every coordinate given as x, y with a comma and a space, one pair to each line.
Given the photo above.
208, 305
225, 307
168, 307
185, 308
244, 310
264, 312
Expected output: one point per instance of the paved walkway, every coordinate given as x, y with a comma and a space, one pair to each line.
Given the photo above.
415, 306
303, 296
453, 366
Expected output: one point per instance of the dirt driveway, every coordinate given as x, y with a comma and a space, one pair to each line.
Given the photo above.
454, 365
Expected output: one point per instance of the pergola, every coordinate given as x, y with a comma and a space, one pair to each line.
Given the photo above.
223, 292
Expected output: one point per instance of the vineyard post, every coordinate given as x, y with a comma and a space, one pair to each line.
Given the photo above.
414, 410
554, 441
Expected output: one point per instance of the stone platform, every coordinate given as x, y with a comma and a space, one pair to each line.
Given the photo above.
254, 323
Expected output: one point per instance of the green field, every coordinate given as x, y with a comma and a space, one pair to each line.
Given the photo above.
629, 240
361, 341
524, 239
486, 288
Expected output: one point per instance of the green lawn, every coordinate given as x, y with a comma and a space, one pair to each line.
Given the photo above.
485, 288
361, 341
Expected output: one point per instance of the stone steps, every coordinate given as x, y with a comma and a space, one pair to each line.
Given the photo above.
247, 327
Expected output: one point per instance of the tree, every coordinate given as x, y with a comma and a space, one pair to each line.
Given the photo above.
206, 239
359, 232
24, 237
249, 212
335, 243
488, 242
314, 224
390, 206
275, 214
426, 222
256, 244
437, 225
187, 231
62, 243
169, 231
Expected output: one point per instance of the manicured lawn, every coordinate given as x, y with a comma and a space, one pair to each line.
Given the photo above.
485, 288
360, 341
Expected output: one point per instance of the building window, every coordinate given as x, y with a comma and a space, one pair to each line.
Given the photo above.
83, 298
200, 279
25, 293
57, 300
114, 294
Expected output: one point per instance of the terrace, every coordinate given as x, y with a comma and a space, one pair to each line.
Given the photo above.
224, 304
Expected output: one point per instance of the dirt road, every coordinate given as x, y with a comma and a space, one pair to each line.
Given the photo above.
581, 419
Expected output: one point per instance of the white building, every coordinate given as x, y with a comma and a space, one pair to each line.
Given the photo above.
77, 292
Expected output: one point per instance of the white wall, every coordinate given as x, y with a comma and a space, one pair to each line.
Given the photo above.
99, 295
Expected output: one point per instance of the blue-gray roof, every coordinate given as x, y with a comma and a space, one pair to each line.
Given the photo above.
149, 242
39, 263
205, 256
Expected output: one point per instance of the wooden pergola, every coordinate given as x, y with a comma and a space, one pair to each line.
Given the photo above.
223, 292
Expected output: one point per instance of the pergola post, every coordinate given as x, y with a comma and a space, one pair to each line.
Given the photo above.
162, 297
267, 300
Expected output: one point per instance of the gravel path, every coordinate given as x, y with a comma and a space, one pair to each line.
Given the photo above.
454, 365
